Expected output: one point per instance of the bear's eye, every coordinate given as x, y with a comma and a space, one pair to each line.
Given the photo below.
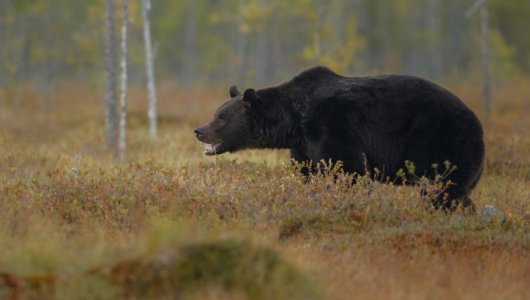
222, 117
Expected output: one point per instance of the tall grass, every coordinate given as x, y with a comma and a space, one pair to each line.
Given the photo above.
76, 223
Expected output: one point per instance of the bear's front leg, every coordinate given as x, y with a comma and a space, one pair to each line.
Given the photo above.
308, 166
299, 157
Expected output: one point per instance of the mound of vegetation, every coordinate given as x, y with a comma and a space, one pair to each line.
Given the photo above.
231, 267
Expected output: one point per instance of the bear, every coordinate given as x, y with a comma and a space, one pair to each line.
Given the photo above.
369, 124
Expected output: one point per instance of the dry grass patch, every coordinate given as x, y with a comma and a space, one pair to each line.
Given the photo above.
67, 207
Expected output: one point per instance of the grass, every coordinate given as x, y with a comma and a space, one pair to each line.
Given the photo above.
75, 223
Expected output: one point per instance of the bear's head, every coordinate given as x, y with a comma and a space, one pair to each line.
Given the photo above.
231, 127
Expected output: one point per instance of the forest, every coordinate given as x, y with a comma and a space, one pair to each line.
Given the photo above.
106, 194
262, 42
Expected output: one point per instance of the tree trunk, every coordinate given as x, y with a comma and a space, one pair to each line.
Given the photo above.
149, 67
123, 87
433, 19
110, 61
241, 44
3, 39
484, 29
369, 26
262, 58
413, 51
190, 44
48, 84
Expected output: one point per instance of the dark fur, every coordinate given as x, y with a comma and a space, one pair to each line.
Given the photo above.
365, 122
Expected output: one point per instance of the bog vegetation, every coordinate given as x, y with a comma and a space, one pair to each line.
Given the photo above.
76, 223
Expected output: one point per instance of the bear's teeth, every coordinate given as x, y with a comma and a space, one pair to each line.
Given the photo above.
211, 148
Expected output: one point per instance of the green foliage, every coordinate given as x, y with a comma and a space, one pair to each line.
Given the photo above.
511, 20
260, 42
503, 56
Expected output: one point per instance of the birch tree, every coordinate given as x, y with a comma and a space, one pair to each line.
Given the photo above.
123, 86
149, 68
110, 61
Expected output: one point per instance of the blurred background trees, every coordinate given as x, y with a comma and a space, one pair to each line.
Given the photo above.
257, 42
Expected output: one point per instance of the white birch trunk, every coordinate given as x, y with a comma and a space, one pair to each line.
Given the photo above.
149, 68
110, 61
122, 145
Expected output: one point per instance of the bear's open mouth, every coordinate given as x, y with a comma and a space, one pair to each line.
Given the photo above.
214, 149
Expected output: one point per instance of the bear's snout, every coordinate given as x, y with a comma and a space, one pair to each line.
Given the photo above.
199, 132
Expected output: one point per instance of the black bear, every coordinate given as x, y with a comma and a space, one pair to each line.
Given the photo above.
365, 122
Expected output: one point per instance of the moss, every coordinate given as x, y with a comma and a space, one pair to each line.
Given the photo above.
232, 265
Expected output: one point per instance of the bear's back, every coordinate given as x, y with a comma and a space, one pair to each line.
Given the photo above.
384, 92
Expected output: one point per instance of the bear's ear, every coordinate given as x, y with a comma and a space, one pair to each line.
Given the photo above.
233, 91
250, 96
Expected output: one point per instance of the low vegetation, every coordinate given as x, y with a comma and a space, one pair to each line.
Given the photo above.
75, 223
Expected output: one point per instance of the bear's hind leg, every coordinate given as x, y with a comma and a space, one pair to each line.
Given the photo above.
453, 197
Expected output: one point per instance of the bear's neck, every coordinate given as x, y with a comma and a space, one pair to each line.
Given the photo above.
277, 121
281, 109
